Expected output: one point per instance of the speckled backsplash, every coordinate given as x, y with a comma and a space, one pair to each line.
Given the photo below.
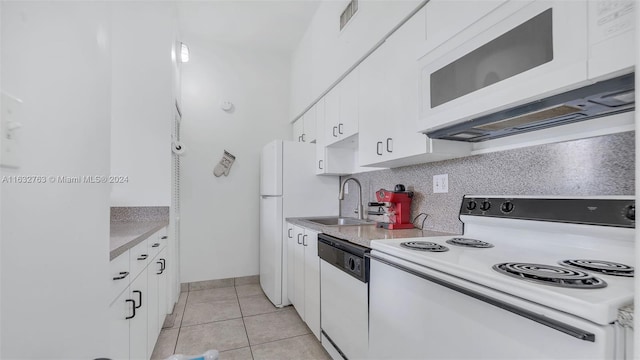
142, 213
596, 166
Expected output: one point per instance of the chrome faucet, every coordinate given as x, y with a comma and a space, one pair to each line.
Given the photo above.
361, 215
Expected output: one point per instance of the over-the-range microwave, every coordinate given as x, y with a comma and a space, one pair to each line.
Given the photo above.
530, 65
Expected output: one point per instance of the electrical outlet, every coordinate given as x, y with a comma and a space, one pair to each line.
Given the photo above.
441, 183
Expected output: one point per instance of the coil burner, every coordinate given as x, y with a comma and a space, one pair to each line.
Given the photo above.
551, 275
600, 266
466, 242
424, 246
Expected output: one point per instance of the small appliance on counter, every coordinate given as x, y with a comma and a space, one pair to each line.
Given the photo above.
397, 205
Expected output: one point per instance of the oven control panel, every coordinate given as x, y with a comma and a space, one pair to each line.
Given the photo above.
617, 212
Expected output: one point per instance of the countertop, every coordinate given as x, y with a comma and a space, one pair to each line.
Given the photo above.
125, 235
132, 225
363, 234
625, 316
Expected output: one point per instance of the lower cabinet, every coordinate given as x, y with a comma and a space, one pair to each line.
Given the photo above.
304, 275
137, 314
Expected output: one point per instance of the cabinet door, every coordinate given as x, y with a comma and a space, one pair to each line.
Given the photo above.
138, 324
401, 84
374, 123
120, 309
291, 248
299, 271
320, 137
310, 125
332, 115
153, 281
312, 282
298, 129
163, 288
348, 124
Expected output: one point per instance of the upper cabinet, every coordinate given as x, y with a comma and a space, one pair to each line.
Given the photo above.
388, 107
341, 110
304, 129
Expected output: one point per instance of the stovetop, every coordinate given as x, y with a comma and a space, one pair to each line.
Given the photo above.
540, 248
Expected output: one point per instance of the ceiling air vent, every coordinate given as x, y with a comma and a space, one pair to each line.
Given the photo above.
348, 13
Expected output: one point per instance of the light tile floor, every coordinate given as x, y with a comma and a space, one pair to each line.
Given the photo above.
237, 319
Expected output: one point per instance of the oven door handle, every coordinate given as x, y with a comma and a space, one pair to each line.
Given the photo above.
541, 319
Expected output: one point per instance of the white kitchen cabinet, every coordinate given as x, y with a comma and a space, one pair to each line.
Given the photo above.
138, 312
341, 110
311, 282
304, 275
304, 129
119, 311
389, 104
330, 160
163, 288
291, 248
138, 348
298, 269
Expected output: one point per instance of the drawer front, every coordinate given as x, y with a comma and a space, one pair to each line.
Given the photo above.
120, 275
154, 245
139, 258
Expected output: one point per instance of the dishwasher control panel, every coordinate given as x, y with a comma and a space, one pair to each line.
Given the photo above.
346, 256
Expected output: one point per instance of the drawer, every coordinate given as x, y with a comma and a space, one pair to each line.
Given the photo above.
139, 258
119, 273
154, 245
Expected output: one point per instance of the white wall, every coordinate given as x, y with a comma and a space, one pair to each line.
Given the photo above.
220, 216
325, 52
142, 102
55, 237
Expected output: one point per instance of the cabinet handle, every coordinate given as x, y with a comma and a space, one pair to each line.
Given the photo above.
340, 129
300, 138
320, 164
303, 140
299, 242
161, 268
132, 308
143, 257
378, 148
123, 274
389, 147
335, 128
304, 238
155, 245
289, 233
164, 237
164, 264
139, 298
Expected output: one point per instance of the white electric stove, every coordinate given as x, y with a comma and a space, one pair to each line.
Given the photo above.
536, 278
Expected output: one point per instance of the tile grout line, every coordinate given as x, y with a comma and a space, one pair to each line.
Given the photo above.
175, 346
246, 333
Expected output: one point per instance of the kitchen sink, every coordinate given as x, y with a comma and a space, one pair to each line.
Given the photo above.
340, 221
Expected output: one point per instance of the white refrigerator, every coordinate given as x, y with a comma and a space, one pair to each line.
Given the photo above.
289, 187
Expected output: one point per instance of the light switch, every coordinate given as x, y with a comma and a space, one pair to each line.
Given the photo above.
10, 124
441, 183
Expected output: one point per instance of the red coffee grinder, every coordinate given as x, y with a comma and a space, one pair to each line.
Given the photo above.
397, 204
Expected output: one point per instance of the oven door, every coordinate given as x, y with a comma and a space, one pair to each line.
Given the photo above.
520, 51
419, 313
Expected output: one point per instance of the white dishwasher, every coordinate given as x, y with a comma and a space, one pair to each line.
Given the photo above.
344, 298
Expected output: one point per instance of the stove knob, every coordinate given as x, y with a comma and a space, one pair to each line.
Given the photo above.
485, 205
471, 205
506, 207
631, 212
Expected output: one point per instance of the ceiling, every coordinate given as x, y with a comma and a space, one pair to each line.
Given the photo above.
276, 24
